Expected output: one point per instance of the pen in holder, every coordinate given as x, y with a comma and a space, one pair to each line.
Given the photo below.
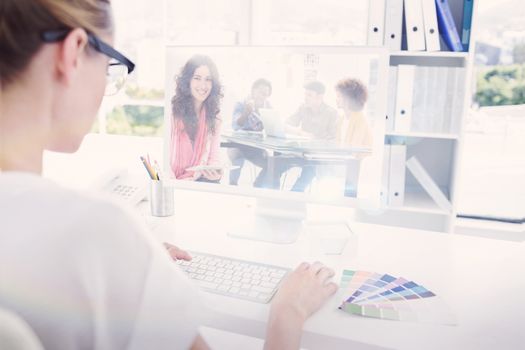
161, 198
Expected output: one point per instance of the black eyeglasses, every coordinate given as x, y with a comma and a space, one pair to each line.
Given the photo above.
118, 68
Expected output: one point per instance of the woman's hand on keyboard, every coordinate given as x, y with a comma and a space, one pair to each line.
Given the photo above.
176, 253
305, 290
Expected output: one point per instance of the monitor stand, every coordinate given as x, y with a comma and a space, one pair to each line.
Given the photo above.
275, 220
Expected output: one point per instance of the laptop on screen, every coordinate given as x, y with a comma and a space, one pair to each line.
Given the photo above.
274, 126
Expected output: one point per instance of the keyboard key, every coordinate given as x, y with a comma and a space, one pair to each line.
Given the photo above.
264, 297
275, 280
267, 285
234, 290
208, 285
262, 289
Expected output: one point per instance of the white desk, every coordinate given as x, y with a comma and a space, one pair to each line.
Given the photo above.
481, 280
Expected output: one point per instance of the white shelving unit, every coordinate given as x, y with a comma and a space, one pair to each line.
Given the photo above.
439, 153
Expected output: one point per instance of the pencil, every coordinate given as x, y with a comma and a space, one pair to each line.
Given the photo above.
157, 169
150, 171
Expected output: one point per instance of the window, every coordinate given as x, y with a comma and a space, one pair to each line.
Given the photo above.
204, 22
493, 164
313, 22
143, 29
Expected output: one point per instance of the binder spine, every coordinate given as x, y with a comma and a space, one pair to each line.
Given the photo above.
414, 25
447, 27
396, 192
376, 22
393, 24
468, 7
403, 108
430, 24
391, 98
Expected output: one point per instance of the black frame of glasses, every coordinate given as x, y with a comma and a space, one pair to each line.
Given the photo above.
52, 36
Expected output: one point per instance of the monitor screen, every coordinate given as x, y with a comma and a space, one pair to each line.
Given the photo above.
302, 121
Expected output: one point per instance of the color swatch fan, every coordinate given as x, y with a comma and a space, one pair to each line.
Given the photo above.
384, 296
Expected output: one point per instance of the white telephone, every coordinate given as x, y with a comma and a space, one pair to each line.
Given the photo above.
122, 185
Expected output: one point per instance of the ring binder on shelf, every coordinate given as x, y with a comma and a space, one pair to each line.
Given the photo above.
396, 178
431, 26
447, 26
376, 22
405, 84
468, 7
414, 25
393, 24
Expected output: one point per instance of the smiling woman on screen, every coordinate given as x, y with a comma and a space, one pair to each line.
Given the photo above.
195, 130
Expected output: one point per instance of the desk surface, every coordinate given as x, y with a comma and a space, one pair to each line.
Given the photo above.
481, 280
324, 148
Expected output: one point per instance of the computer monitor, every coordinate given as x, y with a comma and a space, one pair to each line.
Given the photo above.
332, 102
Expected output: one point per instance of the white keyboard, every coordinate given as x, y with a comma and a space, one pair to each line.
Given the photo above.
235, 278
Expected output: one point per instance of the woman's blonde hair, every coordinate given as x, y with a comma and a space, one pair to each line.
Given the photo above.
23, 21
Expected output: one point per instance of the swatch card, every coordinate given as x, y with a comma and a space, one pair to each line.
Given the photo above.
384, 296
361, 284
397, 282
373, 285
407, 291
431, 310
351, 281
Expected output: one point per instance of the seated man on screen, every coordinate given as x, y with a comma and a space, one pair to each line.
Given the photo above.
353, 128
246, 117
314, 118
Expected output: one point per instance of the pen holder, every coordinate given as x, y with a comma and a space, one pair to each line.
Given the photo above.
161, 198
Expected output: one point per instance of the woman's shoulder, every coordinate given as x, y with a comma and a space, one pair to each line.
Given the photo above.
62, 213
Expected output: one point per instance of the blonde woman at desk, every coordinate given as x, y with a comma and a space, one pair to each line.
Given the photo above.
80, 271
195, 127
